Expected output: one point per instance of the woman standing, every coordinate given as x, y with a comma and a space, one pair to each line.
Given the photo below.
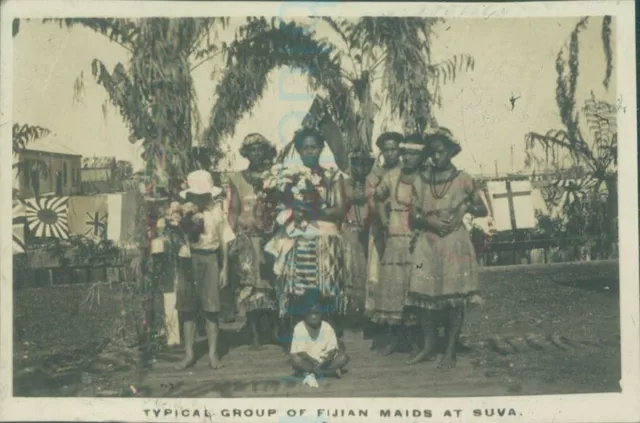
252, 272
355, 231
209, 256
310, 258
389, 159
393, 202
444, 276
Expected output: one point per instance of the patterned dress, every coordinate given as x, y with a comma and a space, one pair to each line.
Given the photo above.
253, 273
395, 266
445, 271
314, 266
373, 260
355, 231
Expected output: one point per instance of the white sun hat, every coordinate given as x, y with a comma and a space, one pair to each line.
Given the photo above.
200, 182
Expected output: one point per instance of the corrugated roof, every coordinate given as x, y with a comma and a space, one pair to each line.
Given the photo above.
98, 162
50, 145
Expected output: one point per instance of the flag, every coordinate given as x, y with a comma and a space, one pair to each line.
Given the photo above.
88, 216
122, 209
19, 221
47, 217
512, 205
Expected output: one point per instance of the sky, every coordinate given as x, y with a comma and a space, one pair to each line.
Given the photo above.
512, 57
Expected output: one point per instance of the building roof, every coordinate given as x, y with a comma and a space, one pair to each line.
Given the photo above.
50, 145
98, 162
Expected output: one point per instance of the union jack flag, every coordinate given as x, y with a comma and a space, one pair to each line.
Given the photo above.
97, 223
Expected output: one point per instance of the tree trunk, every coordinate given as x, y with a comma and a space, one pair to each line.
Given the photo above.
612, 210
365, 115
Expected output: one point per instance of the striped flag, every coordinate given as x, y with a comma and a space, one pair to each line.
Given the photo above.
47, 217
19, 221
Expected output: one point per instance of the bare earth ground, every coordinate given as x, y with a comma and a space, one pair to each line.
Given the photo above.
551, 329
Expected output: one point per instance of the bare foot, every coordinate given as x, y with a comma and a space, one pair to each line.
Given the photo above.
447, 362
426, 354
388, 349
214, 363
187, 362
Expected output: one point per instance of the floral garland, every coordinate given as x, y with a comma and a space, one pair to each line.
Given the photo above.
297, 192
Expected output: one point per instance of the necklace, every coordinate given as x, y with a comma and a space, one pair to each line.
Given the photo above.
397, 198
445, 188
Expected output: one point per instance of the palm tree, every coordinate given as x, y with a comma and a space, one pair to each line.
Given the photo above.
396, 51
597, 151
154, 91
24, 134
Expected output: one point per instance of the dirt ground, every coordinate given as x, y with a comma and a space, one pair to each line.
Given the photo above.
550, 329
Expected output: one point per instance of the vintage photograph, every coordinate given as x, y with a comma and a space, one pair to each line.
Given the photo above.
316, 206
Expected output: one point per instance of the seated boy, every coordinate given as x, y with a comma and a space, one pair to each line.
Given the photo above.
314, 348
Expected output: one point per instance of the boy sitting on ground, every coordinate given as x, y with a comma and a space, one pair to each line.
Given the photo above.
314, 348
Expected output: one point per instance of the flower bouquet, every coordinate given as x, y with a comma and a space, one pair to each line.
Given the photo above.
182, 224
298, 193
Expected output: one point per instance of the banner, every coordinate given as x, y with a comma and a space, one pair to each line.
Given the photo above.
512, 205
122, 209
88, 216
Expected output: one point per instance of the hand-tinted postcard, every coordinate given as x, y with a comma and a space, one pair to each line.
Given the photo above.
319, 212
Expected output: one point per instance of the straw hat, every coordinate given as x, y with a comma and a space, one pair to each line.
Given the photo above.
442, 134
200, 182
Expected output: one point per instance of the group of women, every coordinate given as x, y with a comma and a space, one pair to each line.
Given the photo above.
388, 243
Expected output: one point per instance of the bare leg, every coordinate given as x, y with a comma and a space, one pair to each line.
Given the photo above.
428, 324
189, 329
456, 319
253, 319
335, 366
212, 337
301, 364
393, 342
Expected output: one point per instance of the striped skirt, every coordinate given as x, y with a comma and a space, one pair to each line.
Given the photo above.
314, 272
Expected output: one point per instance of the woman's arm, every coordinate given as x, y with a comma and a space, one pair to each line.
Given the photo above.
335, 213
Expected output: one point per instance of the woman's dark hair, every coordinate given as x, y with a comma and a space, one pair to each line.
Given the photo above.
302, 134
414, 138
389, 136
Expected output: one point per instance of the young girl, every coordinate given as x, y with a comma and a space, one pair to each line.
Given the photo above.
443, 276
209, 255
393, 201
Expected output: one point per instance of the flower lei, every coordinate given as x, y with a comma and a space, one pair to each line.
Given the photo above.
293, 188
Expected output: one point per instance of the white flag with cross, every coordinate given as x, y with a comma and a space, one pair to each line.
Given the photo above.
512, 204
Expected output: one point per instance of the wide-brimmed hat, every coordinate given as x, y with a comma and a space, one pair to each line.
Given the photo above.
254, 139
200, 182
442, 134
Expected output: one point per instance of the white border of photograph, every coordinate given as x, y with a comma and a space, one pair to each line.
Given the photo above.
622, 407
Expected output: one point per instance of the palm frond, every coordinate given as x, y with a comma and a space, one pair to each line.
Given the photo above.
406, 46
608, 54
24, 134
266, 46
121, 31
448, 70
